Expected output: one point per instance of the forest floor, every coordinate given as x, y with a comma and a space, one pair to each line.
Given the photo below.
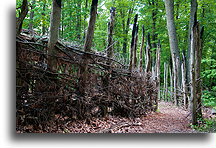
168, 119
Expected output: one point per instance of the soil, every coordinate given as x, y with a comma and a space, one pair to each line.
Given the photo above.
168, 119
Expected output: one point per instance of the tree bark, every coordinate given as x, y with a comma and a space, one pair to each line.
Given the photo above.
91, 26
133, 43
141, 49
184, 83
158, 71
54, 32
148, 54
22, 15
110, 49
169, 5
198, 55
126, 29
193, 17
195, 73
78, 24
31, 17
87, 47
135, 48
43, 19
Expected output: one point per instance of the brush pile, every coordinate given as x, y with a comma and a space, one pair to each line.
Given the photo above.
43, 94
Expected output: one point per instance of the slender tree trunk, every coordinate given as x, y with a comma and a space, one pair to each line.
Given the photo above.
110, 49
22, 15
166, 82
141, 49
91, 26
133, 43
43, 19
196, 53
31, 17
184, 84
78, 24
87, 46
158, 72
148, 54
169, 5
125, 30
171, 83
54, 32
193, 17
135, 48
85, 16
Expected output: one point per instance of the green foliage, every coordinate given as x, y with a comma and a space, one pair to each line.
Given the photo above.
75, 16
209, 98
206, 125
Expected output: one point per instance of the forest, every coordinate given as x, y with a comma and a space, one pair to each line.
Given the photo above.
115, 66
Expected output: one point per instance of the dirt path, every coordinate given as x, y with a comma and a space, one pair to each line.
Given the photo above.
169, 119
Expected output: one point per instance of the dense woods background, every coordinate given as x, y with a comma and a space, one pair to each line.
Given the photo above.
173, 40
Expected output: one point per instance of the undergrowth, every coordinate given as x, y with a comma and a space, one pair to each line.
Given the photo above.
206, 125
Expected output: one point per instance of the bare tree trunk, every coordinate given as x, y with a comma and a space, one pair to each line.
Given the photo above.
85, 16
126, 29
198, 55
169, 5
148, 54
54, 32
171, 83
91, 26
110, 50
158, 71
193, 16
133, 42
166, 82
78, 24
43, 19
31, 17
22, 15
135, 48
141, 49
195, 71
184, 83
87, 46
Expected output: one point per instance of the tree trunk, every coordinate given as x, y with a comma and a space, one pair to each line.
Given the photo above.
91, 26
148, 54
171, 83
85, 16
133, 43
141, 49
195, 71
87, 46
110, 49
78, 24
22, 15
53, 33
169, 5
125, 30
193, 17
198, 55
135, 48
43, 19
184, 84
158, 72
31, 17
